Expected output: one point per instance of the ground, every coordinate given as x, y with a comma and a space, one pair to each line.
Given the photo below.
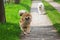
43, 27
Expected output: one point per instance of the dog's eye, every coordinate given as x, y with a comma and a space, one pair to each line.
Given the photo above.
28, 17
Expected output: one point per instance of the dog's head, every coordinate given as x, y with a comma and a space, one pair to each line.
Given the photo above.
27, 17
40, 7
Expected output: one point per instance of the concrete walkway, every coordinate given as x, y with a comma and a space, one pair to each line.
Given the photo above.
41, 26
54, 4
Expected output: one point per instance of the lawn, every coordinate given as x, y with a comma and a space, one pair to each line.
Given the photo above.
58, 1
10, 30
53, 14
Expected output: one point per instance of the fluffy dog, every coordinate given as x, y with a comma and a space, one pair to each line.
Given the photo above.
25, 22
41, 8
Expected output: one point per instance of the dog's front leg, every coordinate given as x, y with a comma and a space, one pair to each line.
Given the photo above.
23, 30
28, 29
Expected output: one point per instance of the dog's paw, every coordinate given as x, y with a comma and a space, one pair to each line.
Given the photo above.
25, 33
28, 32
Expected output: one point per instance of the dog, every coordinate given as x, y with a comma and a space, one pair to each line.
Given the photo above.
25, 21
41, 8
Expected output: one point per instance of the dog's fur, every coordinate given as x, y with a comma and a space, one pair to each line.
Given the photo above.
25, 22
41, 8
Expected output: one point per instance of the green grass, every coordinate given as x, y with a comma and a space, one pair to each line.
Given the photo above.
58, 1
53, 14
10, 30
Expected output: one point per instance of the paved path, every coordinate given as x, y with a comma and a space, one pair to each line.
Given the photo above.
54, 4
41, 27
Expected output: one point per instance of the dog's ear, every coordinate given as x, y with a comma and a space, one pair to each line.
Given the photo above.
21, 14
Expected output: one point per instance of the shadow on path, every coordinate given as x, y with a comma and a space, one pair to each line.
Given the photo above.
42, 32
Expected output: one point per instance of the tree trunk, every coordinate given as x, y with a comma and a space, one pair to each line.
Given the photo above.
17, 1
2, 12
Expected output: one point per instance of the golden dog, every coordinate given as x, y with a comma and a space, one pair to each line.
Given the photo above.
25, 22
